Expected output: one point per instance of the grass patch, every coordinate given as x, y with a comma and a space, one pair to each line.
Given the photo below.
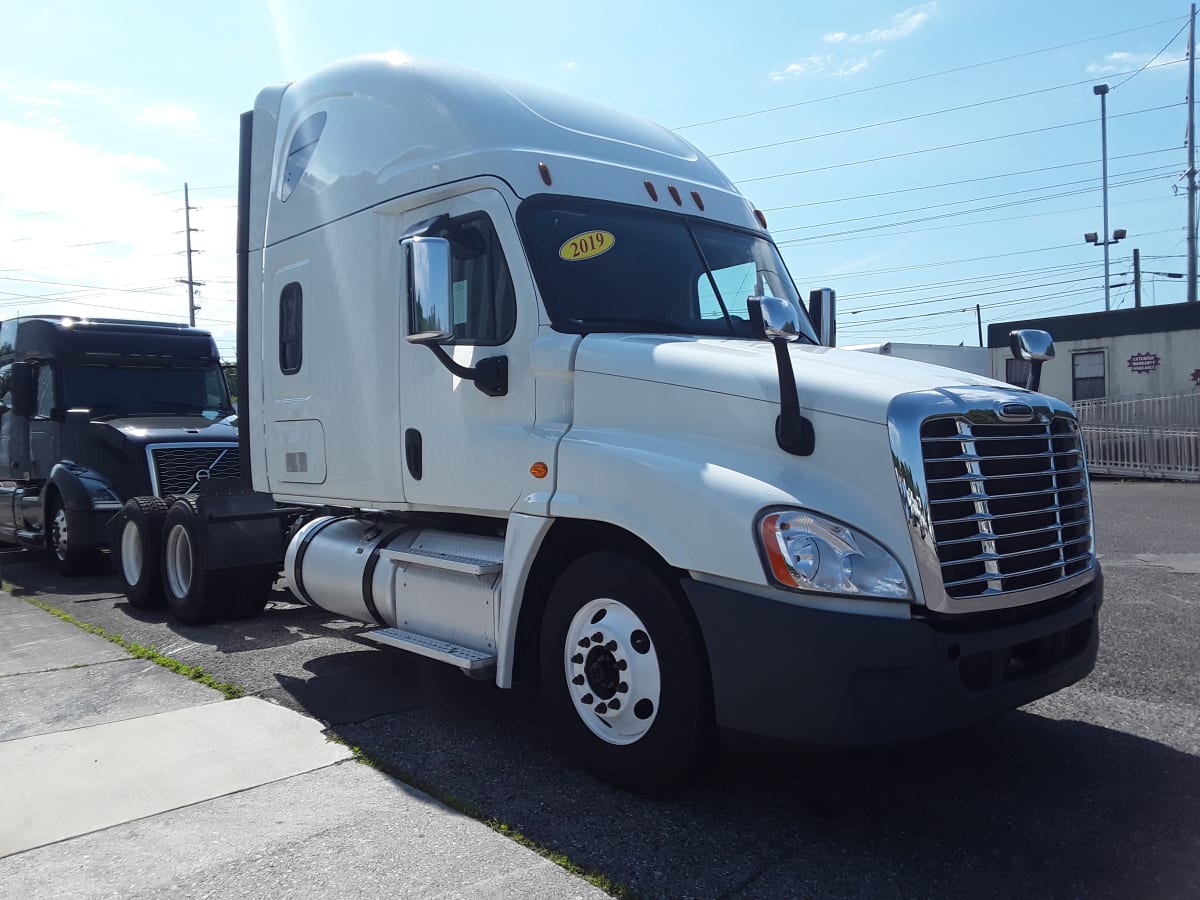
598, 879
141, 651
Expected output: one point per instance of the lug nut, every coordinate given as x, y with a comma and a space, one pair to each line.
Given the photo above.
578, 680
622, 688
577, 659
601, 708
586, 698
614, 703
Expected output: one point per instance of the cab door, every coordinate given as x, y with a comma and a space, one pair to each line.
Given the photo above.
464, 450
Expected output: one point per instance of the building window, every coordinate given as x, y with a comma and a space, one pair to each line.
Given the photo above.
291, 328
1087, 375
1016, 372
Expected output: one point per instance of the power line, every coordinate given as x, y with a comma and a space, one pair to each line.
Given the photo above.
916, 78
970, 143
916, 116
943, 184
1151, 60
967, 212
860, 233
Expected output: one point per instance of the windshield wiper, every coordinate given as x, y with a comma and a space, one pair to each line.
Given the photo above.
638, 322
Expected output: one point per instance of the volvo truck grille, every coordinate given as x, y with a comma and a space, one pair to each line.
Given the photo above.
1008, 502
182, 469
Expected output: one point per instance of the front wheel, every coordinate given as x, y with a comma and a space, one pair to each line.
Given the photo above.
69, 557
624, 674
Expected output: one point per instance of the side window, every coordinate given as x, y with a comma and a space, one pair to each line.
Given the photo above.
291, 328
736, 283
1087, 375
484, 302
45, 391
304, 143
5, 388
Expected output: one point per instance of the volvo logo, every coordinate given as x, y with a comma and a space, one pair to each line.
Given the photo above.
1011, 411
203, 474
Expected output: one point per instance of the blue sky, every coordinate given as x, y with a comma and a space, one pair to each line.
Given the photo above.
826, 116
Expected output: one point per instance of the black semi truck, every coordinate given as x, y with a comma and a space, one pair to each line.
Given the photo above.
94, 411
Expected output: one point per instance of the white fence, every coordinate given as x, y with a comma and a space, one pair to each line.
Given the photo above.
1143, 437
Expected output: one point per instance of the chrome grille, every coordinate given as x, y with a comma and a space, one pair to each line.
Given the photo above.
181, 469
1008, 501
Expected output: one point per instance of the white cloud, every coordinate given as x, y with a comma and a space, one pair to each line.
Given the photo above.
167, 114
571, 66
1123, 61
902, 25
78, 90
826, 66
82, 216
37, 101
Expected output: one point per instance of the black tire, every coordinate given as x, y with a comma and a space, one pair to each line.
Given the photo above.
137, 551
248, 591
649, 658
69, 559
193, 595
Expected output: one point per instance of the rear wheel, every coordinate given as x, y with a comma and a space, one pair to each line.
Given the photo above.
138, 550
192, 594
624, 674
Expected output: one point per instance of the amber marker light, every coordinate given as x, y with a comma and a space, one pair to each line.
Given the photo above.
544, 171
675, 194
779, 565
651, 191
539, 470
698, 200
762, 220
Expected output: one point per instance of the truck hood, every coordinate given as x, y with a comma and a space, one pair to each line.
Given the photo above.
839, 382
170, 429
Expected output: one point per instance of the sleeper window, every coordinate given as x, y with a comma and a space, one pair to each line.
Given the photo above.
291, 328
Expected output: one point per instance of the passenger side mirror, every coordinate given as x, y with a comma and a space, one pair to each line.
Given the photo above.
21, 385
1035, 346
778, 321
429, 290
822, 309
774, 319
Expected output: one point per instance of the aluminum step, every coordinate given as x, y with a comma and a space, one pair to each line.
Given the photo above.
435, 560
463, 657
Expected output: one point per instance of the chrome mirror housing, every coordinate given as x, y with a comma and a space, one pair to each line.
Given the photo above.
429, 290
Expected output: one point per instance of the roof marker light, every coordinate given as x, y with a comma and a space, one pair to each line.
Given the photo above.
675, 194
699, 202
544, 171
651, 191
762, 220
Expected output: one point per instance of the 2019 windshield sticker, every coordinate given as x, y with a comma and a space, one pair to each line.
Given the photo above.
588, 245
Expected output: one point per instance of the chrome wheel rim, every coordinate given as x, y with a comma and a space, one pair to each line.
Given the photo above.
59, 533
612, 671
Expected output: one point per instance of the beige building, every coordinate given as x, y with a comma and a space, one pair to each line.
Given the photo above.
1121, 353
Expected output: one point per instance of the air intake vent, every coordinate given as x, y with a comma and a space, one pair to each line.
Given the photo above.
181, 469
1009, 503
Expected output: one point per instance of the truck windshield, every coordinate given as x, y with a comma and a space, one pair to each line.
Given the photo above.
124, 388
609, 267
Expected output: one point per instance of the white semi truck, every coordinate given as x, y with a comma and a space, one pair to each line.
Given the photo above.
528, 386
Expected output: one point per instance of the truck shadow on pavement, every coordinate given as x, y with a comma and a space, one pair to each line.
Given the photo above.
1024, 804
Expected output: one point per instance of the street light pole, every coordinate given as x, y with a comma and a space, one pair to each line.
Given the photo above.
1102, 91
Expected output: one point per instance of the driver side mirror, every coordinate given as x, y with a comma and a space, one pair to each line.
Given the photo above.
21, 385
1035, 346
429, 290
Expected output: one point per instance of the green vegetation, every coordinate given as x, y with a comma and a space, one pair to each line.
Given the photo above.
141, 651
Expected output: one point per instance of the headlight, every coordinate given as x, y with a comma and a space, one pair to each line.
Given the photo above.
101, 496
813, 553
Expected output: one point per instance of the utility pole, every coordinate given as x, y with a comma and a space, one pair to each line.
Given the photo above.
1137, 278
979, 323
192, 284
1191, 169
1102, 91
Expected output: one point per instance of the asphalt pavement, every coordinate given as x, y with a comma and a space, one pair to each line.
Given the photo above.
1092, 792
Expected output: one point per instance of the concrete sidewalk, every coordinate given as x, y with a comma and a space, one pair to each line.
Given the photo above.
119, 778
